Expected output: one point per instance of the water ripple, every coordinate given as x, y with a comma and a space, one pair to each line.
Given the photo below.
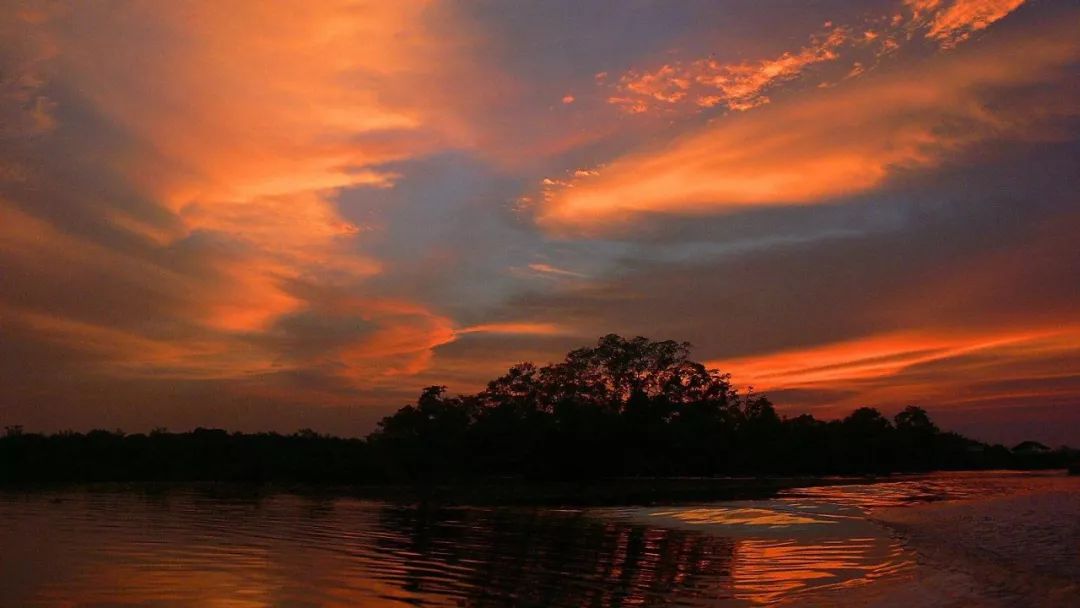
186, 547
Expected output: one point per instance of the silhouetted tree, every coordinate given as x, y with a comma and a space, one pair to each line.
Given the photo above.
916, 436
426, 439
623, 407
915, 420
639, 407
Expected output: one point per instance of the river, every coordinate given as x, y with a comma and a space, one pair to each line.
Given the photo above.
943, 539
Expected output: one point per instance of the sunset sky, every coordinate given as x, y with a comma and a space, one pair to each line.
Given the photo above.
272, 215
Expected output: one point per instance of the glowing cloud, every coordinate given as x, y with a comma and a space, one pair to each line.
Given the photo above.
950, 23
873, 357
238, 131
827, 143
252, 204
527, 328
233, 129
743, 85
705, 83
890, 369
553, 271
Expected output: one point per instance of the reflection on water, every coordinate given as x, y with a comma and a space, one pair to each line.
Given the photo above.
770, 570
787, 546
190, 548
183, 548
750, 516
903, 490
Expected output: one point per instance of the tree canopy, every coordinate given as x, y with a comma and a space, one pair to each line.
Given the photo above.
623, 407
631, 407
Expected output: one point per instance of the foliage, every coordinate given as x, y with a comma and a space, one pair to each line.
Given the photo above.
624, 407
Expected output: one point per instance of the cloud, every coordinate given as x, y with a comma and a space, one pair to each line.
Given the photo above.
523, 328
237, 213
950, 23
549, 270
740, 85
129, 354
181, 176
884, 357
1000, 385
826, 144
970, 280
705, 83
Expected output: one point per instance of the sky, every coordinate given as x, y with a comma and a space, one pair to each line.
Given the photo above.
271, 216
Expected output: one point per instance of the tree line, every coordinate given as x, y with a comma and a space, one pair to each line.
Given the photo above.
622, 408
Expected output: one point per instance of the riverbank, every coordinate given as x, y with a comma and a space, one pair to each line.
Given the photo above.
868, 491
488, 491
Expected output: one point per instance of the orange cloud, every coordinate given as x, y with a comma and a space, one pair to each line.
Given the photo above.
893, 368
120, 352
240, 128
828, 143
740, 86
705, 83
525, 328
404, 342
199, 328
873, 357
237, 127
950, 23
252, 129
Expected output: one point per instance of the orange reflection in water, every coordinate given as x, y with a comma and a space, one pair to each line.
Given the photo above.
185, 548
790, 546
741, 515
766, 570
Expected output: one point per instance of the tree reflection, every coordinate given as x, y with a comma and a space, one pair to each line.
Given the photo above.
526, 557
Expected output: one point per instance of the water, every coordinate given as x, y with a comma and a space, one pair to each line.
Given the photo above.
185, 547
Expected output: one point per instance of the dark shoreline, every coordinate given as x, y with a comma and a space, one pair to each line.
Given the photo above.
487, 492
622, 409
479, 492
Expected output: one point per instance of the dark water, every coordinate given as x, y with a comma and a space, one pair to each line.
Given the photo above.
184, 547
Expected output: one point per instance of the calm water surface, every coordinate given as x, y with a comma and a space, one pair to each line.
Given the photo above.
185, 547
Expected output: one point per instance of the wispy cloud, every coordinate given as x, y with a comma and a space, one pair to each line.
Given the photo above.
238, 130
682, 86
828, 143
948, 370
705, 83
951, 22
211, 210
525, 328
549, 270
